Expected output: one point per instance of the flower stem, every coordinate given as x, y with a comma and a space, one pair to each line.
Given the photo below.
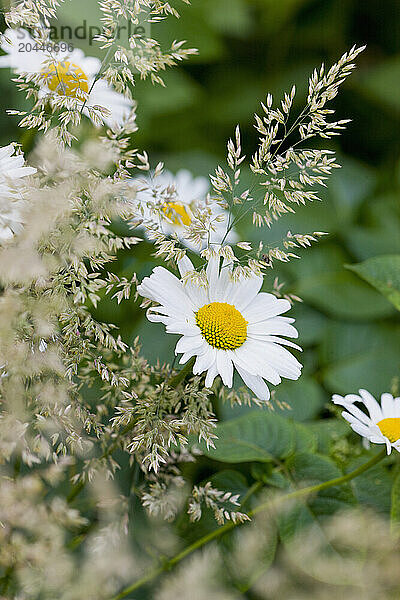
176, 380
306, 491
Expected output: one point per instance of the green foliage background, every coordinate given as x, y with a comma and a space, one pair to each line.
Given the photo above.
349, 331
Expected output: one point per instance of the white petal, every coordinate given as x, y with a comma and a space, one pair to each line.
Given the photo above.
248, 358
359, 428
188, 344
185, 265
154, 317
245, 291
277, 357
354, 410
256, 384
263, 307
277, 340
163, 287
205, 361
372, 405
274, 326
388, 405
212, 273
182, 328
225, 367
211, 375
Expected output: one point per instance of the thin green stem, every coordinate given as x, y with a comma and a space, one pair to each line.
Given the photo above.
217, 533
256, 487
176, 380
326, 484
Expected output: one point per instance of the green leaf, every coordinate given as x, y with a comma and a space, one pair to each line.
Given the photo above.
310, 469
340, 295
304, 398
373, 488
310, 324
230, 481
328, 431
379, 232
383, 273
352, 356
305, 438
265, 473
258, 435
373, 371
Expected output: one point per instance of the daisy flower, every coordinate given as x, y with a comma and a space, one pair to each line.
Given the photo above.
226, 325
178, 196
12, 171
68, 74
382, 423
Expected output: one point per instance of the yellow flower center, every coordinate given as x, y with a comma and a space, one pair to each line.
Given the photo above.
177, 213
222, 325
66, 79
390, 428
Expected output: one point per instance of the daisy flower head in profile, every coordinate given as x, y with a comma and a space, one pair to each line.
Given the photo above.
12, 174
225, 325
170, 202
379, 424
69, 74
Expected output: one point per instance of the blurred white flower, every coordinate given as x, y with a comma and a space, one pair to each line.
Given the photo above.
225, 324
69, 74
12, 171
382, 423
179, 196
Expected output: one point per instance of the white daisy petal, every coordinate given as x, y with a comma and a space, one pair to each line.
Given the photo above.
356, 412
154, 317
387, 403
225, 367
216, 330
204, 361
245, 291
211, 375
381, 425
277, 340
162, 286
372, 405
265, 306
186, 343
360, 429
182, 328
256, 384
12, 191
185, 265
248, 357
212, 273
274, 326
